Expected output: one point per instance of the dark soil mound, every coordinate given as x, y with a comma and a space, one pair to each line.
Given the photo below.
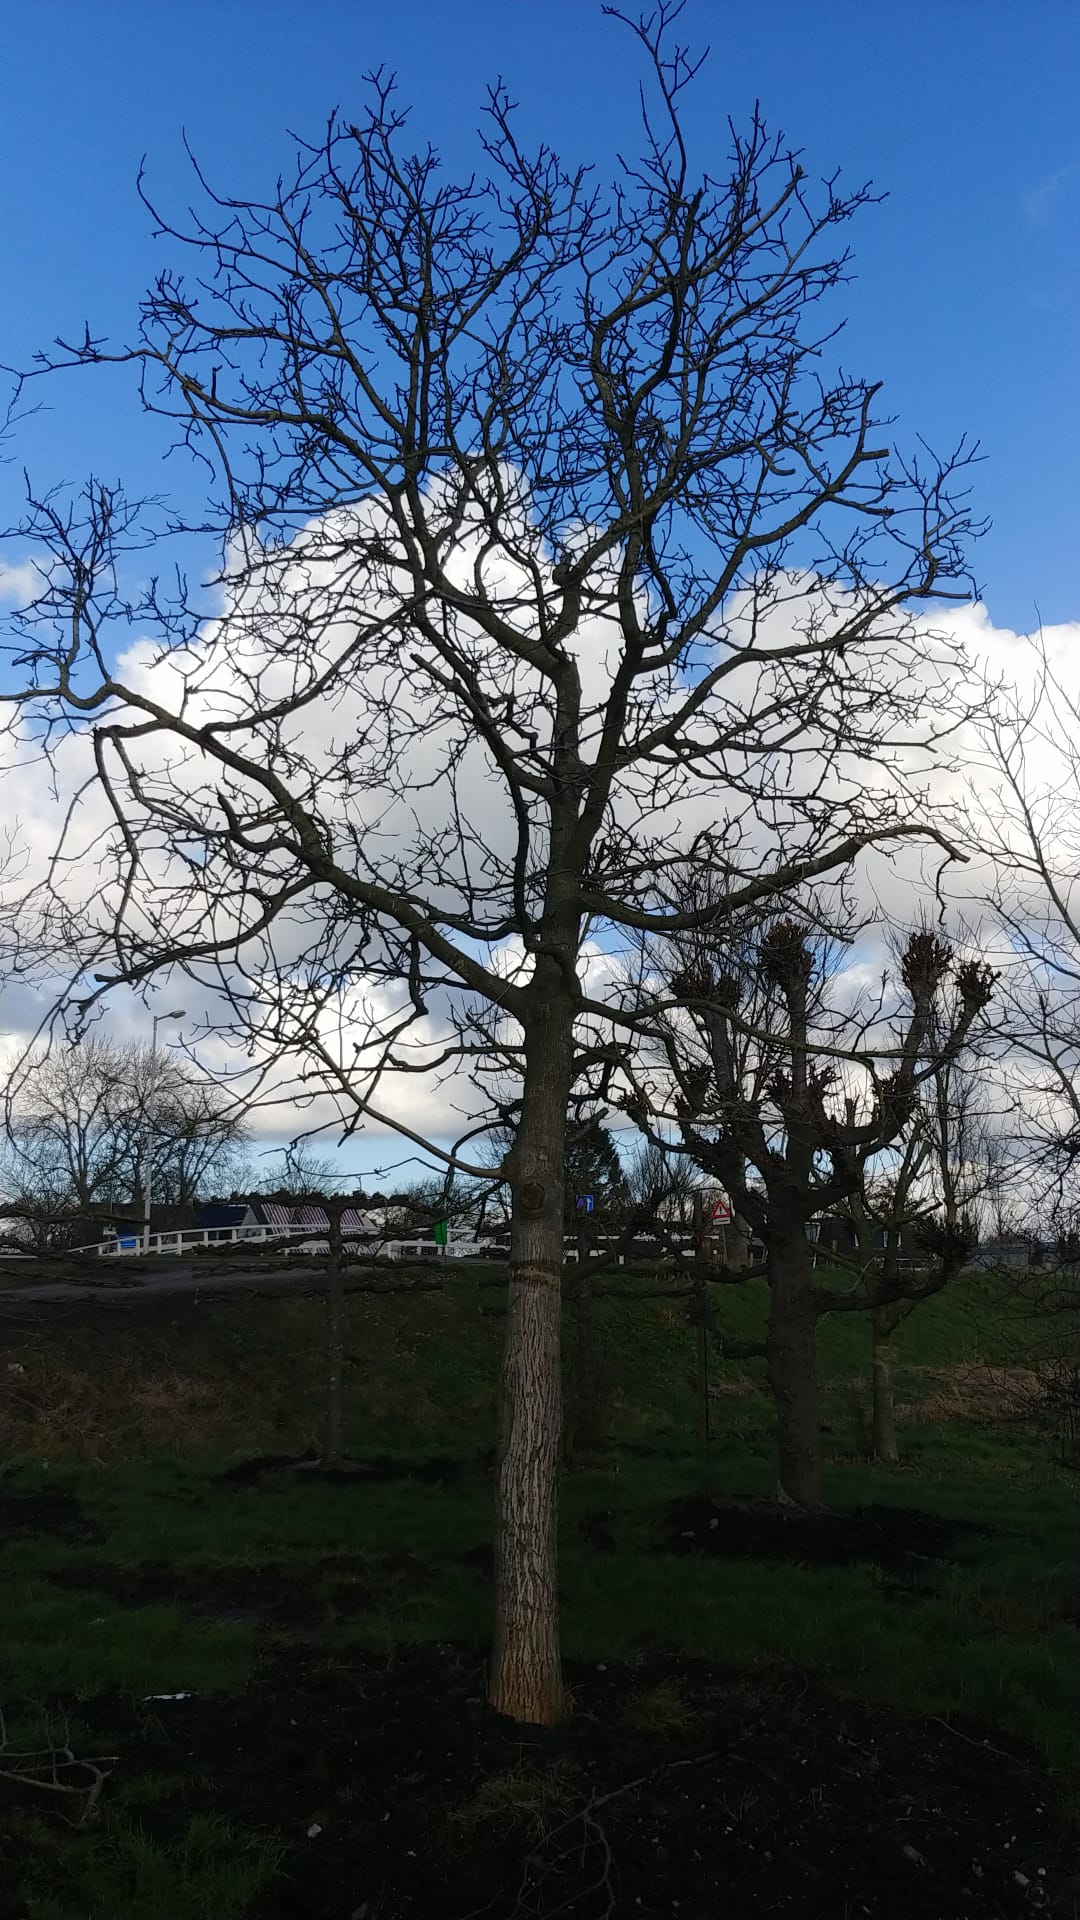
437, 1471
399, 1795
754, 1529
257, 1595
59, 1513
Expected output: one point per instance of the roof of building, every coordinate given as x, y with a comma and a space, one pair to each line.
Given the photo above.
276, 1213
223, 1214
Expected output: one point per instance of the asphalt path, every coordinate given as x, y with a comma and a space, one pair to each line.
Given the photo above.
178, 1279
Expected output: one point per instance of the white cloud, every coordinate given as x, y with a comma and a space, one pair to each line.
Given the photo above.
20, 582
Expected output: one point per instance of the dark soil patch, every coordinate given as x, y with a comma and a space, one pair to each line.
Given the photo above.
597, 1530
399, 1795
746, 1528
437, 1471
481, 1558
24, 1515
247, 1594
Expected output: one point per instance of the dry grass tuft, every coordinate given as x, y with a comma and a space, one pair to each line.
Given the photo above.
662, 1709
734, 1386
967, 1391
526, 1794
90, 1417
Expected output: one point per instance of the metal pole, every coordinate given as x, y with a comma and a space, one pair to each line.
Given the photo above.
148, 1143
702, 1259
148, 1148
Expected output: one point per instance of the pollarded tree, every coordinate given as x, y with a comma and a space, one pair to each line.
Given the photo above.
756, 1058
555, 551
941, 1175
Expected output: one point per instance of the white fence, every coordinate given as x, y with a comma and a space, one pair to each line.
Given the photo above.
181, 1240
304, 1240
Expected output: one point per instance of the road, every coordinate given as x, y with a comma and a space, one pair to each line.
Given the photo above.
178, 1279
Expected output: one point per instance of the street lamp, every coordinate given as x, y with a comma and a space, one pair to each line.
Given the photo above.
148, 1150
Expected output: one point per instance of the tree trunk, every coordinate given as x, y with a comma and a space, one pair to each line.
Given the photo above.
883, 1418
736, 1245
335, 1344
790, 1362
525, 1680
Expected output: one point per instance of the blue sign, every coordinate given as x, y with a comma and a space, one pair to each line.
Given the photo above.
585, 1202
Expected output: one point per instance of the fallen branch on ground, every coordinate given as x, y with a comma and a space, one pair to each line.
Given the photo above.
43, 1766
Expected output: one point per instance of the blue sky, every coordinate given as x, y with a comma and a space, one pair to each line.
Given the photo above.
967, 300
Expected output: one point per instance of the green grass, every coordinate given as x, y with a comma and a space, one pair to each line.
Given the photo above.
993, 1641
117, 1871
229, 1375
82, 1643
137, 1414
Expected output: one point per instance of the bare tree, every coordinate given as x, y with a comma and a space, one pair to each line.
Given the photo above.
1023, 816
1025, 820
751, 1078
79, 1121
660, 1185
298, 1170
595, 1204
555, 552
942, 1175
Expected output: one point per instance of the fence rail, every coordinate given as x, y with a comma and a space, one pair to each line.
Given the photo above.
181, 1240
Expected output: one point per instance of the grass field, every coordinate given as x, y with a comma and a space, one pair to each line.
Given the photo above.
141, 1558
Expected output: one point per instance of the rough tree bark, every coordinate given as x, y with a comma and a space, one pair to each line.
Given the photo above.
736, 1245
883, 1324
885, 1321
790, 1361
526, 1673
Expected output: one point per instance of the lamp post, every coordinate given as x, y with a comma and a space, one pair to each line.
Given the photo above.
148, 1149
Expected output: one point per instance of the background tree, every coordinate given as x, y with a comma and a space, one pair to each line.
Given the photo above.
941, 1176
299, 1170
1024, 819
752, 1052
593, 1171
1022, 816
593, 1168
555, 551
80, 1120
661, 1185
